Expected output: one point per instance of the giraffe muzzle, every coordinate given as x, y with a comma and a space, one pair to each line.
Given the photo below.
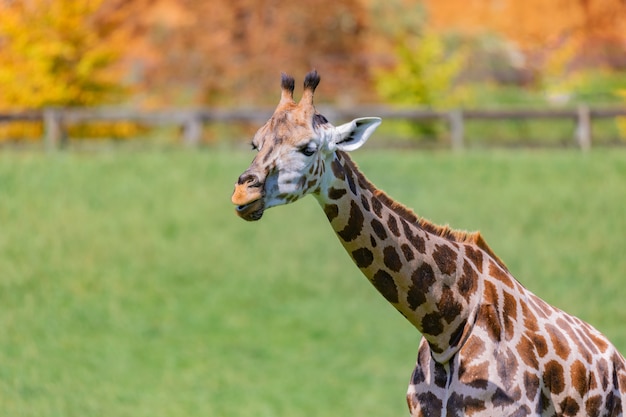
249, 201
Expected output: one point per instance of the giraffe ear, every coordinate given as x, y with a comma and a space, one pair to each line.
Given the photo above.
353, 135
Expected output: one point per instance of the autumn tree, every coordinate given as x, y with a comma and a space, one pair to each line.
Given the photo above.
598, 27
231, 52
55, 53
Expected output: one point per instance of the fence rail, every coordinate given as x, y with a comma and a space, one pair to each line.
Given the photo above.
56, 120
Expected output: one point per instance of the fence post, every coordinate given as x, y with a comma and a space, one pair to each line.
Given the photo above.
583, 127
455, 118
192, 130
54, 134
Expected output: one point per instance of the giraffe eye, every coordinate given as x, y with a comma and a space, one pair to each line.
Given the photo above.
254, 147
308, 149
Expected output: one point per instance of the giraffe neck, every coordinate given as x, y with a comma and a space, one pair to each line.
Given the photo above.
430, 274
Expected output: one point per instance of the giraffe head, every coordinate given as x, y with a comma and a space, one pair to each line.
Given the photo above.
293, 149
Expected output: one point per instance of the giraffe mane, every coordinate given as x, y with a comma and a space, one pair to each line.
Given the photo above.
459, 236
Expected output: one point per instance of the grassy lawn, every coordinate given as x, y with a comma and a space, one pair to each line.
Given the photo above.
128, 287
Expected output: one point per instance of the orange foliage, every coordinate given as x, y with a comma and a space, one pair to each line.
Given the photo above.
232, 51
534, 23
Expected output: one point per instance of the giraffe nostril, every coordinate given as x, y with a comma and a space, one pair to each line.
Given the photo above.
251, 179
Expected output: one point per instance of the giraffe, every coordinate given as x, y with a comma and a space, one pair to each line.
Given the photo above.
489, 346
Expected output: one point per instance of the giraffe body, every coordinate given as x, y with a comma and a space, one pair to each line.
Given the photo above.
490, 346
558, 365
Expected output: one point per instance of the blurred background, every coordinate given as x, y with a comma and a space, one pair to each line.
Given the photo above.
129, 287
151, 54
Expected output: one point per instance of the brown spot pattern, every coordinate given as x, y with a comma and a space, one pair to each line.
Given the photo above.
465, 403
547, 308
421, 281
431, 324
490, 296
379, 229
385, 285
560, 344
355, 224
592, 406
553, 377
475, 376
579, 377
567, 328
603, 372
408, 252
473, 348
526, 350
476, 256
506, 366
593, 383
538, 307
377, 206
363, 183
331, 211
419, 243
531, 384
363, 257
365, 203
423, 355
620, 368
430, 404
445, 258
489, 320
500, 398
448, 307
599, 342
392, 224
350, 180
455, 336
509, 315
496, 272
441, 377
530, 321
336, 193
467, 282
569, 406
337, 169
541, 346
587, 341
416, 240
391, 259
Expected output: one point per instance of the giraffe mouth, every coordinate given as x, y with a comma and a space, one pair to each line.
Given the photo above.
249, 201
251, 211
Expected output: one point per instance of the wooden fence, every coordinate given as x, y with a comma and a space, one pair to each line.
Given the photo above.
56, 120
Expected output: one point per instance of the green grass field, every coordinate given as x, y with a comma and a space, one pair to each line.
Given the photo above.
128, 287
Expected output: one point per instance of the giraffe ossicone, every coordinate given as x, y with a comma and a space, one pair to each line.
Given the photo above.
490, 347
